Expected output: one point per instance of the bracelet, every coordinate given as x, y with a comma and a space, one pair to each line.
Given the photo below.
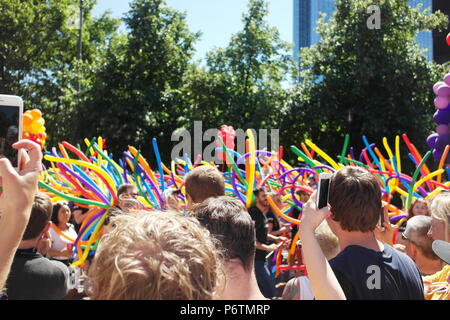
395, 236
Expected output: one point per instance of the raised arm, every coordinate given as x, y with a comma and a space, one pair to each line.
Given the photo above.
324, 283
17, 194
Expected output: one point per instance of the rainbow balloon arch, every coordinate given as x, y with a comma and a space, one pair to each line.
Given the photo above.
90, 178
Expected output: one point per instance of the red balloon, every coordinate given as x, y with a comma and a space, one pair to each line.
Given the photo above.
448, 39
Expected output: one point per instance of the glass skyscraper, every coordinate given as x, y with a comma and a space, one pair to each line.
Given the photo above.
307, 13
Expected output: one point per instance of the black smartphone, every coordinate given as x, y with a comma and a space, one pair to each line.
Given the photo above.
11, 110
322, 190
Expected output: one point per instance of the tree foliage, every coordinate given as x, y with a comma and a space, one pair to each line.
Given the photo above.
361, 81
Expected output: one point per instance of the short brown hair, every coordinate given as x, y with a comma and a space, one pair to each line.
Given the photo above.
204, 182
155, 256
41, 213
355, 199
229, 222
124, 188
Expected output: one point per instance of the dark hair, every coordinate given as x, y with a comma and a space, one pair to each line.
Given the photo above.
229, 222
124, 188
355, 199
56, 208
204, 182
40, 216
258, 190
300, 192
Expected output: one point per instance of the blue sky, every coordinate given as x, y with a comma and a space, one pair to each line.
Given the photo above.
216, 19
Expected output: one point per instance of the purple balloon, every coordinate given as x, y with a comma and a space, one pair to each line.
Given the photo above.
442, 129
441, 102
437, 155
443, 91
442, 116
442, 142
431, 140
437, 85
447, 79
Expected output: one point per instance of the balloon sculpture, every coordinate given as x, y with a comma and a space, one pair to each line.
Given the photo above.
33, 127
227, 135
91, 177
441, 138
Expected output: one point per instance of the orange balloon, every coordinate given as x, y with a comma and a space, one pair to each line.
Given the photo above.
27, 128
27, 119
36, 114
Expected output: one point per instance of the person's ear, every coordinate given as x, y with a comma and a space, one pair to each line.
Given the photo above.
46, 231
414, 251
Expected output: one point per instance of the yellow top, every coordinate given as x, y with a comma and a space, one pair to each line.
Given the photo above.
440, 276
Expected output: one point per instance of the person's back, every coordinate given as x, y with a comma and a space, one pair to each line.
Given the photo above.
233, 228
366, 268
32, 276
365, 274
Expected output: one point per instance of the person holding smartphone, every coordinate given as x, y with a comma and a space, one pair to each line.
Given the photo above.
17, 191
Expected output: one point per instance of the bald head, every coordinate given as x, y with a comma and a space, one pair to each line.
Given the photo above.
416, 232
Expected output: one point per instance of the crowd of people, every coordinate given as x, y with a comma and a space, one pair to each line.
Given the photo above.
216, 248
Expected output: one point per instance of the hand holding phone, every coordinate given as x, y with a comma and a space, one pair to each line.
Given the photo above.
323, 190
11, 112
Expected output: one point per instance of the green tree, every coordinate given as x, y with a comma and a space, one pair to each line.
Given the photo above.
137, 91
243, 84
361, 81
38, 56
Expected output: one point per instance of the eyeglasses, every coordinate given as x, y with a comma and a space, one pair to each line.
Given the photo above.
128, 195
404, 237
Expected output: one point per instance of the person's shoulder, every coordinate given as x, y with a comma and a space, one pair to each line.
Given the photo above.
253, 211
50, 268
396, 254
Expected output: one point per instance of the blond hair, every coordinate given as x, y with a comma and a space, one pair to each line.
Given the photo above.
327, 240
440, 210
155, 256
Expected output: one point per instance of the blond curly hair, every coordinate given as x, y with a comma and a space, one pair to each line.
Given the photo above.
155, 256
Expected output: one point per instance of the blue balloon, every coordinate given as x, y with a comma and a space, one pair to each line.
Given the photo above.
431, 140
437, 155
441, 142
442, 116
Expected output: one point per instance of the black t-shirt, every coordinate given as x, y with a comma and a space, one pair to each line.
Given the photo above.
296, 214
271, 218
261, 230
365, 274
33, 277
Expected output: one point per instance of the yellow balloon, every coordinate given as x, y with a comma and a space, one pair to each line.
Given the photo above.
252, 162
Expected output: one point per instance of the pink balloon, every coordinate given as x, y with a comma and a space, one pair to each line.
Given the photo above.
447, 79
442, 129
443, 91
441, 102
437, 85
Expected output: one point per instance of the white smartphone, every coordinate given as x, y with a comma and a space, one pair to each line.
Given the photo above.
11, 113
322, 190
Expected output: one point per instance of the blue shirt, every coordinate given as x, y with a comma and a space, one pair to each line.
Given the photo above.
365, 274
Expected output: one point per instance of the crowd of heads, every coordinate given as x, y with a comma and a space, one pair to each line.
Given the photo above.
208, 250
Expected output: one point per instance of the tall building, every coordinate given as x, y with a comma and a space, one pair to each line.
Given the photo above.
441, 50
306, 16
424, 38
307, 13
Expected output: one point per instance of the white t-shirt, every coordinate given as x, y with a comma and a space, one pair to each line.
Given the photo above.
59, 242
